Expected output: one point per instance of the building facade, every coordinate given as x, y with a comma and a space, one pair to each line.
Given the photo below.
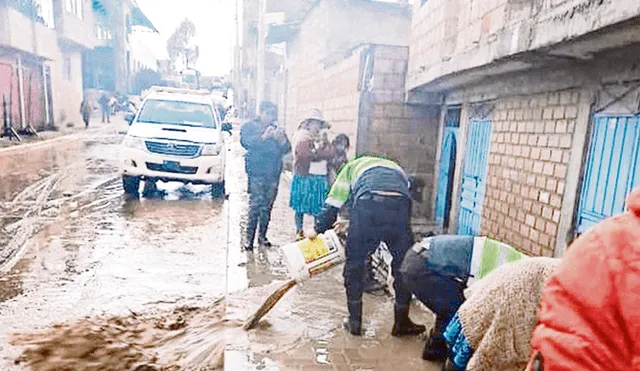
41, 46
539, 126
340, 58
111, 64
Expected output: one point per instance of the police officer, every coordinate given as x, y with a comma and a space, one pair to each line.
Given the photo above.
378, 191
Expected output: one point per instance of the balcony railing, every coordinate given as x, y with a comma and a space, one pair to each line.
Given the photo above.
30, 8
103, 33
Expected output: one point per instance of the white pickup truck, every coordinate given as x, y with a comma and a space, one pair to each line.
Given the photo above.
176, 135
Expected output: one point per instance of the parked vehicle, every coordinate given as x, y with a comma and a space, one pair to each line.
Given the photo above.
177, 135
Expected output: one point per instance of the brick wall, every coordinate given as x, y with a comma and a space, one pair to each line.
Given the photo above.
405, 133
323, 66
530, 151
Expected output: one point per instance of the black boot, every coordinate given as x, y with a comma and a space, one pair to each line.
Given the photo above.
403, 324
353, 323
436, 349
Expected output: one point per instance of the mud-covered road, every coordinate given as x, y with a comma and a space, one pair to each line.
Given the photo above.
75, 251
72, 246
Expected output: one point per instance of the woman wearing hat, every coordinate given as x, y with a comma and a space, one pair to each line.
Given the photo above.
310, 169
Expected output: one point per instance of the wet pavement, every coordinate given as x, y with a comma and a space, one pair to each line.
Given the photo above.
72, 246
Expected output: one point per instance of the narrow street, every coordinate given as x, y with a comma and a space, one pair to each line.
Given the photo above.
74, 247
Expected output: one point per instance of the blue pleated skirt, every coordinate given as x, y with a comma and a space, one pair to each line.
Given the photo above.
308, 193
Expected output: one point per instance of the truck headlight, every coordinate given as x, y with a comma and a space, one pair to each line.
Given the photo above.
134, 142
210, 150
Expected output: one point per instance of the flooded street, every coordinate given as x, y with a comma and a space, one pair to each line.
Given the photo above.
82, 249
74, 251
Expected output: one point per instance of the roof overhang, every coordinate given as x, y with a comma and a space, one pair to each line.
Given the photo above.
281, 33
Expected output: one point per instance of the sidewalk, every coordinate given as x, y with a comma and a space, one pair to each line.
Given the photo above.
63, 133
304, 330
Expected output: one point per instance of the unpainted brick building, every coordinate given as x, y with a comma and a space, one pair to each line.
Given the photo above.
539, 133
345, 61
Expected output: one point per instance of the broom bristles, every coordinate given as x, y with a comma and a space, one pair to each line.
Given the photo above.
268, 304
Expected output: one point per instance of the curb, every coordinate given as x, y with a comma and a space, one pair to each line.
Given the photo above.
62, 138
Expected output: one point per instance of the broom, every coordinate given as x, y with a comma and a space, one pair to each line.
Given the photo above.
268, 304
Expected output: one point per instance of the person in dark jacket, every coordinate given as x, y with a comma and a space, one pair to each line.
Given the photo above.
105, 107
266, 144
378, 190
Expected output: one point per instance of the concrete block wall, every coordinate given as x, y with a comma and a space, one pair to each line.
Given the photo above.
342, 98
333, 89
405, 133
531, 140
316, 60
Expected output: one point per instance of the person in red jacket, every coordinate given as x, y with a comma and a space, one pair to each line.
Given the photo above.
589, 317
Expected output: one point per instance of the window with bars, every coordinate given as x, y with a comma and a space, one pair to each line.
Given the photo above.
74, 7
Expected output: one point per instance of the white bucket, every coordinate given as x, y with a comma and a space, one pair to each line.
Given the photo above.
307, 258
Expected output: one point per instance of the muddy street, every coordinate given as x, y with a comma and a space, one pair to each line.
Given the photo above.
73, 246
75, 251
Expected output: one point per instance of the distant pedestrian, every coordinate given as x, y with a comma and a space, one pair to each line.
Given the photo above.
266, 145
104, 102
85, 111
310, 170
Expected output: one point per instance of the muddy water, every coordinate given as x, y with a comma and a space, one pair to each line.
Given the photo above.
95, 253
186, 338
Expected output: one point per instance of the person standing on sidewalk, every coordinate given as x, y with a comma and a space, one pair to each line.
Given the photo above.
266, 145
379, 191
310, 170
105, 107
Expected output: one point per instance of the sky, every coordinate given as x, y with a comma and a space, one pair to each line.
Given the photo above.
215, 30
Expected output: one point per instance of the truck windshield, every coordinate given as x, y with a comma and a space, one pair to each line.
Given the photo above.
177, 113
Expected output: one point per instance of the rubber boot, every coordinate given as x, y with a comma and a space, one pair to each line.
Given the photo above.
436, 349
403, 324
353, 323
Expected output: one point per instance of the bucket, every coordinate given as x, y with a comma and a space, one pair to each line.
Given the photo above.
307, 258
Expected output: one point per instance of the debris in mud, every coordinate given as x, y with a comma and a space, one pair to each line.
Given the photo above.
268, 304
183, 339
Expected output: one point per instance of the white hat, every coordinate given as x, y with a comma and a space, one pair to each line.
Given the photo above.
315, 114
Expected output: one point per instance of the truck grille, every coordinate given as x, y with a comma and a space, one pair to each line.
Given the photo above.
176, 169
173, 149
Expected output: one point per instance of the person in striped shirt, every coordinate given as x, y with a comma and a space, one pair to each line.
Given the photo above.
438, 269
378, 192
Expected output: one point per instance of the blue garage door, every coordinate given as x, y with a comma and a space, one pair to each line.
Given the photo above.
611, 169
474, 177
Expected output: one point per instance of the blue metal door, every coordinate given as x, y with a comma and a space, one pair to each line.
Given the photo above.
447, 167
611, 169
474, 176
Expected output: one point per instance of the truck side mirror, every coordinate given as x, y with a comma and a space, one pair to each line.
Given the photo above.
129, 117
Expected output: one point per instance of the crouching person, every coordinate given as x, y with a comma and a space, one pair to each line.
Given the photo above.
492, 329
438, 269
